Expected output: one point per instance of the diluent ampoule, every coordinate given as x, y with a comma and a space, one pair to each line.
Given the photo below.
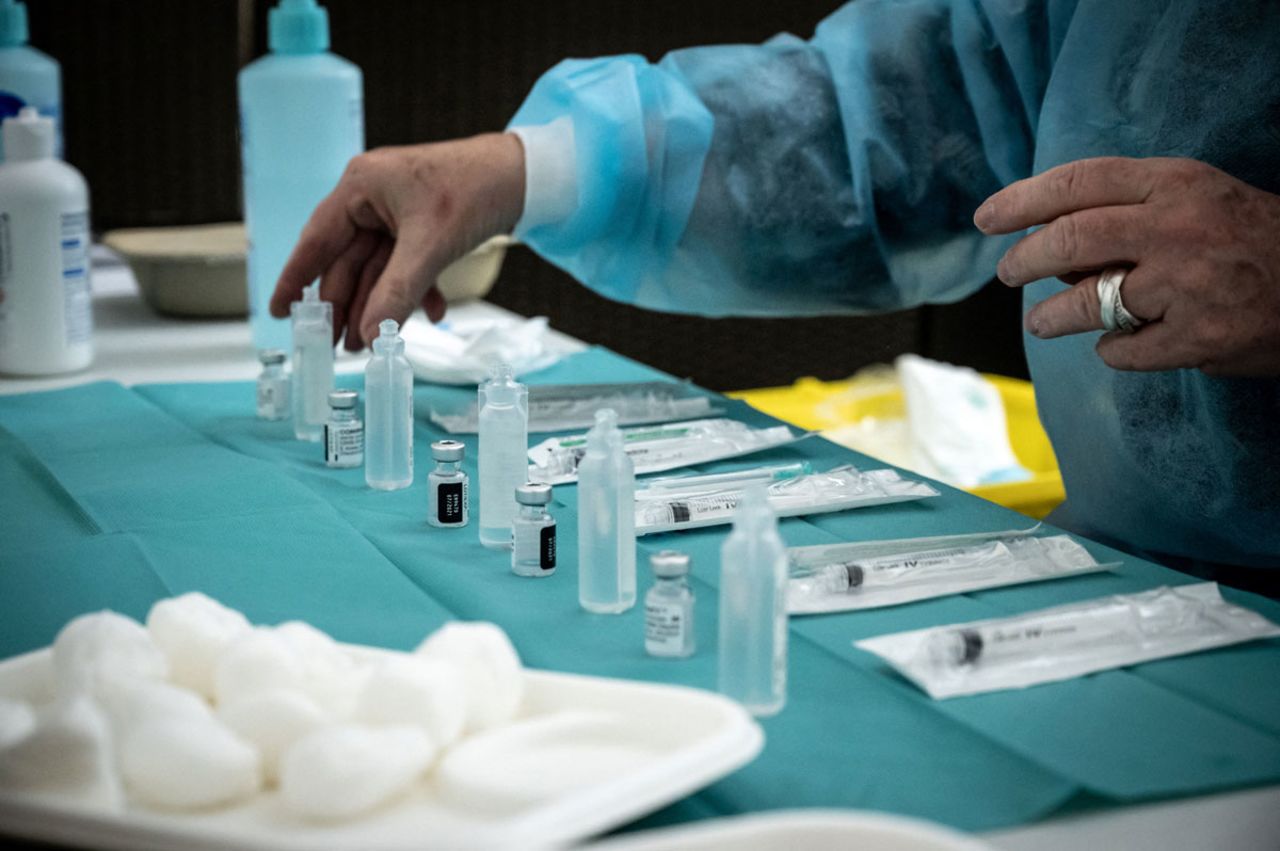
343, 433
388, 412
448, 486
606, 520
533, 532
503, 461
273, 386
668, 607
312, 363
753, 608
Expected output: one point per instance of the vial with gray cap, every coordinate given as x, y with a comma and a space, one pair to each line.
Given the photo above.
343, 432
448, 486
533, 532
273, 386
668, 607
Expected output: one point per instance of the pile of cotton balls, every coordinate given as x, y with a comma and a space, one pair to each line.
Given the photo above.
200, 709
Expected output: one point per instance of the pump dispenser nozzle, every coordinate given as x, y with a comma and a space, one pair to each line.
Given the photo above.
298, 26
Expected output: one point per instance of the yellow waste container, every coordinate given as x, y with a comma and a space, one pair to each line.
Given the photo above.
829, 405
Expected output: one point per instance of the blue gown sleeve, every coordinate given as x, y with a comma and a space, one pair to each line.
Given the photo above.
835, 175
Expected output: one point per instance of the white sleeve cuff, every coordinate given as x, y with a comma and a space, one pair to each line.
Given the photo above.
550, 173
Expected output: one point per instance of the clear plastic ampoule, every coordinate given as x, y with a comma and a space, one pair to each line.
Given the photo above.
312, 363
668, 607
343, 433
533, 532
273, 386
448, 486
502, 462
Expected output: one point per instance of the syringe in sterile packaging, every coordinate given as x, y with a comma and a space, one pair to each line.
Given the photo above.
1034, 638
895, 569
717, 481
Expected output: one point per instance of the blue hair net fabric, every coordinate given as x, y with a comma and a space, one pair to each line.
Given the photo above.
840, 175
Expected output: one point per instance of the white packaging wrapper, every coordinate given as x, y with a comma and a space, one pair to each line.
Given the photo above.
572, 407
1065, 642
653, 449
661, 510
844, 577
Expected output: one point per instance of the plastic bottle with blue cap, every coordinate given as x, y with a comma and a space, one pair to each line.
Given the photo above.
46, 319
301, 122
27, 76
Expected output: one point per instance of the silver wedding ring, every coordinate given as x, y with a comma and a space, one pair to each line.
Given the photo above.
1114, 315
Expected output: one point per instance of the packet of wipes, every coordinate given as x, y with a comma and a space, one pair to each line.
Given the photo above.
1065, 642
843, 577
664, 509
654, 449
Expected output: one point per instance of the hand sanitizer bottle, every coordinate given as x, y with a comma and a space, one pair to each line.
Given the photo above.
27, 76
388, 412
301, 122
312, 363
606, 520
504, 444
753, 608
46, 319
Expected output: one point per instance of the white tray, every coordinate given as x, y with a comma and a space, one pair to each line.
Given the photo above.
800, 830
678, 741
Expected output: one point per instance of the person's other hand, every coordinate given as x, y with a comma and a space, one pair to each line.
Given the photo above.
396, 219
1202, 249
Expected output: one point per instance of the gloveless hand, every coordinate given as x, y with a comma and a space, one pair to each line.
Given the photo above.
397, 218
1202, 248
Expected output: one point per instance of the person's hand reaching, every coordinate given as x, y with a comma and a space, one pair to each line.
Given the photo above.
1202, 251
396, 219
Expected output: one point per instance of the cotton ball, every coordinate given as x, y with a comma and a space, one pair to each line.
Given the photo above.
129, 702
330, 676
104, 645
340, 772
415, 690
192, 631
272, 721
492, 676
67, 753
17, 721
182, 763
260, 661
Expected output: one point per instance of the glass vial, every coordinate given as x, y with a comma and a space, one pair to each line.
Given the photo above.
504, 444
753, 608
312, 363
388, 409
606, 520
343, 433
273, 386
668, 607
448, 486
533, 532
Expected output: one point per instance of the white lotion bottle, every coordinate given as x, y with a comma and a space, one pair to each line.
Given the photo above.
388, 412
312, 363
753, 608
46, 316
503, 461
606, 520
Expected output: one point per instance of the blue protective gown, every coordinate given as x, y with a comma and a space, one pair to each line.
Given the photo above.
840, 175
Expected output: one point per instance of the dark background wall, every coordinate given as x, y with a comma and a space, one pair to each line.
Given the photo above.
150, 115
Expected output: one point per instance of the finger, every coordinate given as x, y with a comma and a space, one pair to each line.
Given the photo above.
368, 278
1154, 347
1100, 182
1077, 309
326, 235
1087, 240
410, 272
1075, 277
434, 304
338, 282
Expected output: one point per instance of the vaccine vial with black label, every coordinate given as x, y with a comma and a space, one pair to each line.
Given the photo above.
448, 489
533, 532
